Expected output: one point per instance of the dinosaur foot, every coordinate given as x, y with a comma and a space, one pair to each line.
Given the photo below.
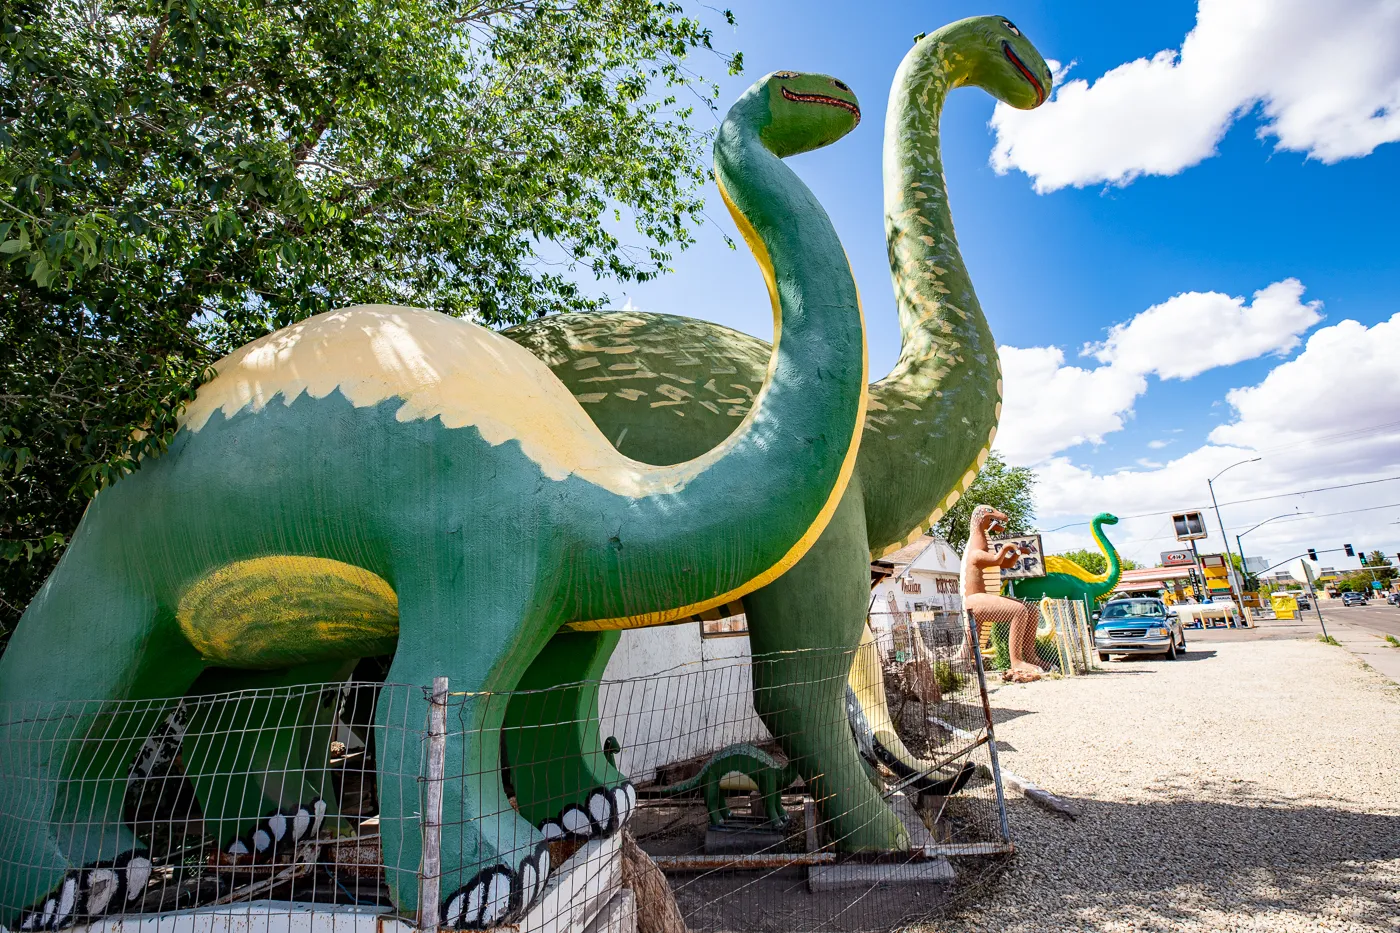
603, 812
278, 832
498, 895
91, 892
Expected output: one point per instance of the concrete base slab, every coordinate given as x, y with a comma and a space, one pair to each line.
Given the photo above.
821, 878
744, 835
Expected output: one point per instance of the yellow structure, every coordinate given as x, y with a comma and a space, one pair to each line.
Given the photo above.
1285, 606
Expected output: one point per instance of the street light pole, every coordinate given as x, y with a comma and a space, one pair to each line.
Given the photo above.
1239, 545
1225, 538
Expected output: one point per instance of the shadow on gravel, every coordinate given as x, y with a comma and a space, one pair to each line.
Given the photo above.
1195, 654
1157, 864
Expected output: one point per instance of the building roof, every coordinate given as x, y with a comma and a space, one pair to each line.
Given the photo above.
1145, 577
928, 553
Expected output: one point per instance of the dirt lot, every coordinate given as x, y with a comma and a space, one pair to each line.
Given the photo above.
1250, 786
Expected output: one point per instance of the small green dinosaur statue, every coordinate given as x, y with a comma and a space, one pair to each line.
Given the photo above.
1064, 579
757, 765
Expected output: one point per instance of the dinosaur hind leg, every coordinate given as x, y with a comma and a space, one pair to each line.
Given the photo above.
258, 758
91, 644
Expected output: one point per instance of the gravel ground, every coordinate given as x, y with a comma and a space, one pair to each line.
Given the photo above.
1245, 787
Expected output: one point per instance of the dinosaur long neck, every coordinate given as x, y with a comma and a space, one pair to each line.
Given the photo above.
793, 456
1115, 570
933, 418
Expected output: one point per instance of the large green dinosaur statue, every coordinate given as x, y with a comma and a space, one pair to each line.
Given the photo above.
1064, 579
665, 388
392, 479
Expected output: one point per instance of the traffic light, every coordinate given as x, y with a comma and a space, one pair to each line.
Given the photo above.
1349, 550
1363, 559
1312, 554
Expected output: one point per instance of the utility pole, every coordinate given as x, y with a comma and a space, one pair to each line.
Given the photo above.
1225, 538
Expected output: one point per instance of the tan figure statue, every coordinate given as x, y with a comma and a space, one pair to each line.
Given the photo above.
989, 608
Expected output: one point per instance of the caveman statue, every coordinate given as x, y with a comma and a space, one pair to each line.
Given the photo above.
989, 608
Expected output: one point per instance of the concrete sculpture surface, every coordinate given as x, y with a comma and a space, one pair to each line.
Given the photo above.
384, 479
1064, 579
985, 601
665, 388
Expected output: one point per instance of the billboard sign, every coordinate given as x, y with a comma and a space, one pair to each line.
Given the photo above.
1189, 526
1031, 562
1178, 559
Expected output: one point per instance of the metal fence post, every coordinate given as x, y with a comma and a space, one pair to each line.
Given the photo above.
430, 880
991, 733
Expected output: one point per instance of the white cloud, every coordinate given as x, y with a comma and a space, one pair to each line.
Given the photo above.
1050, 406
1157, 444
1195, 331
1327, 76
1328, 417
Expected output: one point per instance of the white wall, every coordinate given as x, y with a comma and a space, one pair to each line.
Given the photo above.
669, 695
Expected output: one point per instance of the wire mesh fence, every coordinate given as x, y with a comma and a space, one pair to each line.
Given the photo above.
819, 790
1046, 637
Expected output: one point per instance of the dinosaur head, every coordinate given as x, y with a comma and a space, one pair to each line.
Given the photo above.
992, 54
987, 519
1106, 518
807, 111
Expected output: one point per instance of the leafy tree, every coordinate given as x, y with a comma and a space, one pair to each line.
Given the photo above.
1005, 488
179, 178
1094, 561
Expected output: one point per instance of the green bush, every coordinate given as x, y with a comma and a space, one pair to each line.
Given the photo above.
1001, 646
949, 680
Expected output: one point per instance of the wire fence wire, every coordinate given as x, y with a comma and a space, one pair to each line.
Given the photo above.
817, 790
1062, 643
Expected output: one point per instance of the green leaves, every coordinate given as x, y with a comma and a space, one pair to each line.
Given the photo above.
1006, 488
177, 178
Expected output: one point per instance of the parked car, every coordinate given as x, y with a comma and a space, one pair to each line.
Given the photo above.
1303, 603
1393, 599
1353, 599
1138, 626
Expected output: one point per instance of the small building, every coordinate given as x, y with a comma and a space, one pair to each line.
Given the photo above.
1172, 583
920, 579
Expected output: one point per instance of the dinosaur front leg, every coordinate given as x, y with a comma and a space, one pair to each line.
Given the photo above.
481, 635
563, 780
803, 629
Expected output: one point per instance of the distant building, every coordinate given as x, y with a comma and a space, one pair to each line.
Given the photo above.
1256, 565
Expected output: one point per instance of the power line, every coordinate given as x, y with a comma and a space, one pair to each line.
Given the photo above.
1280, 495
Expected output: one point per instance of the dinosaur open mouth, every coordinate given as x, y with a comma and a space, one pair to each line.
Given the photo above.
823, 99
1025, 72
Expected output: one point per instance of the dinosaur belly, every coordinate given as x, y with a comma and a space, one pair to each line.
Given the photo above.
279, 611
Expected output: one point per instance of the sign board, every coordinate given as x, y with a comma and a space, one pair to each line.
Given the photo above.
1375, 584
1178, 559
1212, 560
1032, 560
1189, 526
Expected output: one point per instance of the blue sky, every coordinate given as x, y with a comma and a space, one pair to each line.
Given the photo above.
1059, 255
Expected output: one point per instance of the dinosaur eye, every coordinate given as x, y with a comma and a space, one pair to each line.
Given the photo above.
1011, 26
785, 74
841, 85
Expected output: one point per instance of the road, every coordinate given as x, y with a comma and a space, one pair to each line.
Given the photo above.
1378, 618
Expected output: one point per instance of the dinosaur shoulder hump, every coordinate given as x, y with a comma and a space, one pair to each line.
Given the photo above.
435, 365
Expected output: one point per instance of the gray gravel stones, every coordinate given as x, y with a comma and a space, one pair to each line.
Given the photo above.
1246, 787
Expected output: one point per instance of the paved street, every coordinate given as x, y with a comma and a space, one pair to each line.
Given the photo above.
1378, 617
1252, 785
